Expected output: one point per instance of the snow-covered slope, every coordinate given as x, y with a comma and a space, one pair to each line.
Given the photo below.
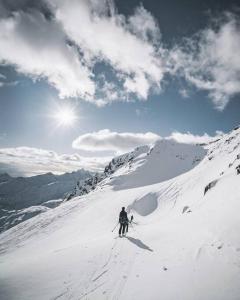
144, 165
22, 192
165, 160
10, 218
22, 198
184, 244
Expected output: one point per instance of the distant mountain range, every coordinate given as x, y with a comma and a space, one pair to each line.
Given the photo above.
183, 242
24, 197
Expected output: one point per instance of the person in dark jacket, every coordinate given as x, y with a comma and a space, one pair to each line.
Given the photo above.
123, 221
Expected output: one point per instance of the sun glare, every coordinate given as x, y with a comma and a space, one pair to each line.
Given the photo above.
65, 116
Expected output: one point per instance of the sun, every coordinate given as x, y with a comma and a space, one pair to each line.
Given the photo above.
65, 116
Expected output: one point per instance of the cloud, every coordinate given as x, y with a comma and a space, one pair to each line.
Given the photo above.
64, 48
27, 161
98, 30
210, 60
189, 138
6, 84
38, 48
143, 24
106, 140
64, 42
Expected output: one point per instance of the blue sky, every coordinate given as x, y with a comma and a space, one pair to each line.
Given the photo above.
130, 71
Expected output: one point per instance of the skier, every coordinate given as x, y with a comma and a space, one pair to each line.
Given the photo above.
123, 221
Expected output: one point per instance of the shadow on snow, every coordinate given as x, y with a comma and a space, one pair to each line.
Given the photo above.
139, 243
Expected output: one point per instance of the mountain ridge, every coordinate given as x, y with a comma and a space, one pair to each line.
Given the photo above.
184, 242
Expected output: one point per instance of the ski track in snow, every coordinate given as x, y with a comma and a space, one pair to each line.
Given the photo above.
104, 280
184, 243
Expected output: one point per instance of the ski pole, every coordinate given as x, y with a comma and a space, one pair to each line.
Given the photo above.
132, 226
115, 227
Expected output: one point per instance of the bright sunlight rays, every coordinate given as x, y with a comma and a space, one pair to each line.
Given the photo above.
65, 116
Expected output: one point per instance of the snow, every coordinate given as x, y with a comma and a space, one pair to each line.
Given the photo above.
22, 192
145, 205
182, 245
52, 203
22, 198
165, 160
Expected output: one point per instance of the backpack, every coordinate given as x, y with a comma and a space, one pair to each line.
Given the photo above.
123, 219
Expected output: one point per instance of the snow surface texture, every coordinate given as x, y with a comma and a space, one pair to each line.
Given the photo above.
184, 242
24, 197
21, 192
145, 165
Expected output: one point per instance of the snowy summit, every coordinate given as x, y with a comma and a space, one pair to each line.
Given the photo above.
119, 150
182, 244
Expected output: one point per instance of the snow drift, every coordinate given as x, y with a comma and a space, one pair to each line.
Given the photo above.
144, 165
165, 160
184, 242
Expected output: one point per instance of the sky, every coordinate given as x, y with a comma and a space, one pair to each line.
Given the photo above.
82, 81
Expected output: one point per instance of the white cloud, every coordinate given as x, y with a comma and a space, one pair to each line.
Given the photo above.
138, 85
63, 49
28, 161
7, 84
37, 47
144, 25
103, 34
106, 140
210, 61
189, 138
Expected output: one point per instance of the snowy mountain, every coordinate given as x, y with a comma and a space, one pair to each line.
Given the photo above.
24, 197
184, 242
21, 192
165, 160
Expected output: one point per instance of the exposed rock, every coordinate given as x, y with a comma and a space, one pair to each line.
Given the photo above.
210, 185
